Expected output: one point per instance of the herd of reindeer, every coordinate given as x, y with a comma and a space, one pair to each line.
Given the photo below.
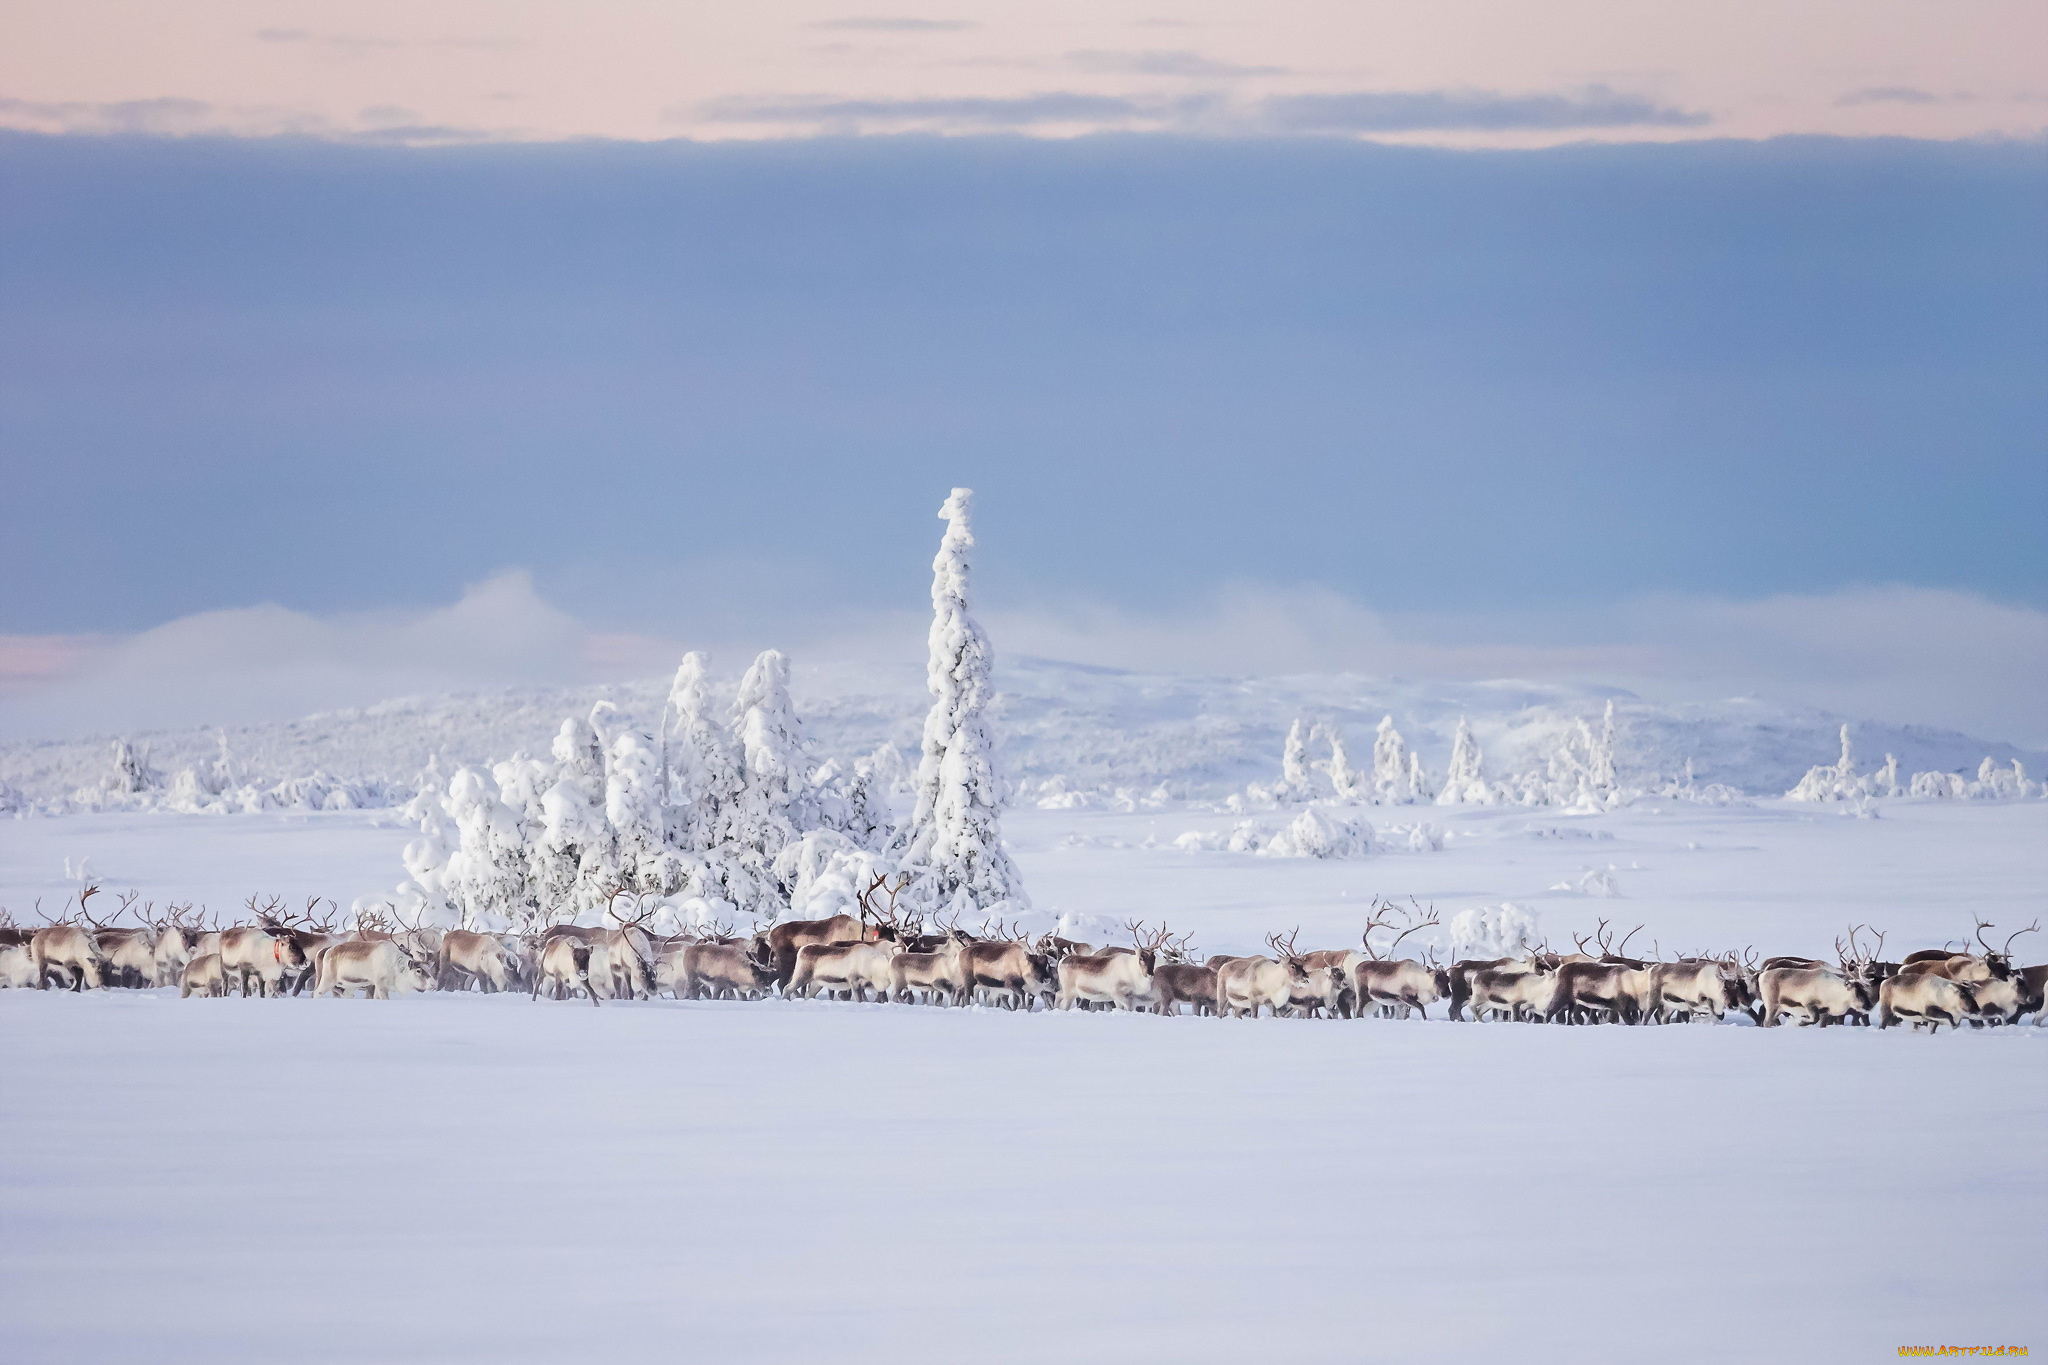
881, 955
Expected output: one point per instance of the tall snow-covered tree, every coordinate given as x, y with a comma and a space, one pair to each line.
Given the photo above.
1344, 779
1295, 784
773, 799
633, 808
1466, 782
955, 846
1390, 784
571, 861
1601, 773
703, 771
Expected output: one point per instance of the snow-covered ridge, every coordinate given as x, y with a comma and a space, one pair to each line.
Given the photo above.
1063, 729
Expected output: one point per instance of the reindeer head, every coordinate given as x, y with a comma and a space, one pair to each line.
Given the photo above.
2000, 961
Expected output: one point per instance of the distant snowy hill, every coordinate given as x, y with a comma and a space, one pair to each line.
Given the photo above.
1086, 728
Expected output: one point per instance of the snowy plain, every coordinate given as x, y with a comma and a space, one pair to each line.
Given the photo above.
462, 1177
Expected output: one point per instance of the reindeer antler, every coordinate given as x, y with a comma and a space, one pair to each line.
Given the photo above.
1379, 918
83, 896
866, 898
1284, 947
2033, 928
1428, 921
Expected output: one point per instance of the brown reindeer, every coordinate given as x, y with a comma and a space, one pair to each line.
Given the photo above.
469, 958
715, 970
787, 939
67, 950
1120, 979
1924, 999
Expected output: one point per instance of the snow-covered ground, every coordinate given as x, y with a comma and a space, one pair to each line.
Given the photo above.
1784, 876
461, 1177
1089, 729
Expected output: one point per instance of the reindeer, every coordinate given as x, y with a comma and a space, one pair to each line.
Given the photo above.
203, 975
855, 968
1190, 983
1924, 998
1179, 979
1464, 971
17, 962
377, 966
1994, 1002
262, 956
1249, 983
1009, 971
626, 952
1321, 991
130, 954
469, 958
1393, 986
1517, 989
67, 950
786, 940
943, 974
313, 937
719, 969
2033, 983
1966, 968
1588, 992
562, 967
1693, 987
1818, 993
175, 941
1122, 978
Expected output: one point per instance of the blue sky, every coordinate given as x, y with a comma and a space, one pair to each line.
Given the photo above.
696, 387
339, 377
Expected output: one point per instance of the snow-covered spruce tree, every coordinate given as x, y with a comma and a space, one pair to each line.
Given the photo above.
955, 847
1295, 784
703, 777
1601, 775
1466, 783
571, 860
486, 879
132, 772
1390, 775
1345, 780
642, 859
774, 804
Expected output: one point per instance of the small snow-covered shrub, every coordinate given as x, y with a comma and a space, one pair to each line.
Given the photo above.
1594, 881
1505, 930
1940, 786
1316, 833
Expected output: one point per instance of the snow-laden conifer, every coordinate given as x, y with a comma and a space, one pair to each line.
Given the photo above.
1345, 780
1390, 775
703, 769
955, 846
1465, 784
1295, 784
1601, 774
